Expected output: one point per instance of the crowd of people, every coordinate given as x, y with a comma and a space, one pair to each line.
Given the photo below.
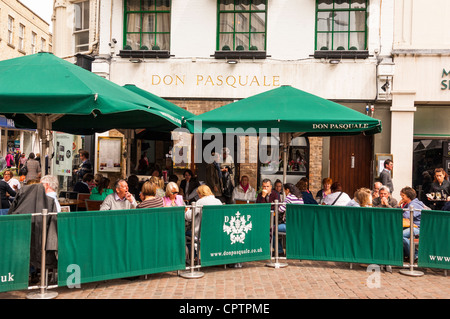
131, 193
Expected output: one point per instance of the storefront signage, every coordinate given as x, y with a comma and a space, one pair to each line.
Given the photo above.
208, 80
341, 126
445, 84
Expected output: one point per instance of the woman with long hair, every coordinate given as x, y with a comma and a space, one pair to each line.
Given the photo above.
101, 190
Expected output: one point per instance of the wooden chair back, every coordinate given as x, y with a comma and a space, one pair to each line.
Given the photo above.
93, 204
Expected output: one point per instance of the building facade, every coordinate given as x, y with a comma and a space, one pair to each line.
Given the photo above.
421, 97
202, 54
22, 32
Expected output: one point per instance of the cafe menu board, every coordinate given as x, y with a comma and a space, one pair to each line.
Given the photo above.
109, 154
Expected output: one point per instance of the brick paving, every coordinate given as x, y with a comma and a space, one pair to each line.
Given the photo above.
300, 280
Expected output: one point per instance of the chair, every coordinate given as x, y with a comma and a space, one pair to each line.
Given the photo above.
82, 197
93, 204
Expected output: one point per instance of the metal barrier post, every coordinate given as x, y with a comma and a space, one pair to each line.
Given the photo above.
276, 264
411, 271
191, 274
43, 293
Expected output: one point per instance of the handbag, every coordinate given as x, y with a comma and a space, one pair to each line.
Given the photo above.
23, 170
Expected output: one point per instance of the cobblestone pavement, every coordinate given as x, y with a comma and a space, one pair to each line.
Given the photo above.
299, 280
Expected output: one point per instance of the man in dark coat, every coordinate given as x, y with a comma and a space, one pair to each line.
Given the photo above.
32, 199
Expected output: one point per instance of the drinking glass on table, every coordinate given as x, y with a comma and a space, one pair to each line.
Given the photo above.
67, 197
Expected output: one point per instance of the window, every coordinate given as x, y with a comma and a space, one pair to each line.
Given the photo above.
242, 25
147, 25
10, 30
43, 44
341, 25
81, 27
33, 42
21, 35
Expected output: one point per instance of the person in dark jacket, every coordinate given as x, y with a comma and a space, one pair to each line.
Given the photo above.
4, 190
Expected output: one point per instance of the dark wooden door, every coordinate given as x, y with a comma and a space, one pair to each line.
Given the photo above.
351, 161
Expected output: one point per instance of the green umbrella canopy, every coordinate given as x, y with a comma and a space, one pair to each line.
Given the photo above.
79, 101
160, 101
289, 110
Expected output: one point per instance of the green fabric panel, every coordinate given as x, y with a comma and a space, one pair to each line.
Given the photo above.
117, 244
345, 234
434, 240
217, 246
15, 252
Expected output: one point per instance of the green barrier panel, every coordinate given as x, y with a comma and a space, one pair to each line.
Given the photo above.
434, 240
234, 234
103, 245
344, 234
15, 242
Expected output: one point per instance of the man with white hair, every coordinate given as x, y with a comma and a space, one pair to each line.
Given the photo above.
51, 184
384, 200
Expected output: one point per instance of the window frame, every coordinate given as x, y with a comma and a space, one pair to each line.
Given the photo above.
155, 32
33, 42
81, 31
234, 32
10, 30
348, 52
21, 43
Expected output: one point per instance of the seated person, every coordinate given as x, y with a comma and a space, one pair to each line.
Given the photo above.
362, 198
302, 186
82, 186
384, 199
133, 185
120, 199
440, 185
267, 195
408, 196
172, 198
102, 190
325, 191
337, 196
244, 191
148, 197
188, 186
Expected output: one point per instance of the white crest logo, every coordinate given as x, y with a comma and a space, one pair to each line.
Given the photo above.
237, 227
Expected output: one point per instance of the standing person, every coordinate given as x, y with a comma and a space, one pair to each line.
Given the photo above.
33, 168
85, 166
244, 191
17, 161
9, 159
337, 196
384, 200
440, 185
172, 197
2, 163
120, 199
386, 175
214, 176
148, 196
325, 191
